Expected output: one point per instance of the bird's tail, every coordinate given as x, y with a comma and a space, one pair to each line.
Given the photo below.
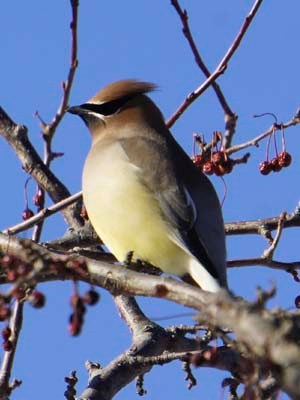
202, 277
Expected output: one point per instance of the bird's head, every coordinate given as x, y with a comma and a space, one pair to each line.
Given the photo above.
119, 105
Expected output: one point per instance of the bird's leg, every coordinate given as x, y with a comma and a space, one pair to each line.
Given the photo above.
128, 259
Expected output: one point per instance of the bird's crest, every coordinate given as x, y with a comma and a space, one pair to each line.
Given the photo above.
120, 89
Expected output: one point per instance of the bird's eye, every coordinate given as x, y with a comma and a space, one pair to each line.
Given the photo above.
109, 108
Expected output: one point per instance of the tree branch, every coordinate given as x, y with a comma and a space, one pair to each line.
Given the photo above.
275, 340
230, 117
218, 71
16, 136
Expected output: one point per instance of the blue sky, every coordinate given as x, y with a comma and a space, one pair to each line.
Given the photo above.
143, 39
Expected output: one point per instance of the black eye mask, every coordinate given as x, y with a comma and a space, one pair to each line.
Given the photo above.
109, 108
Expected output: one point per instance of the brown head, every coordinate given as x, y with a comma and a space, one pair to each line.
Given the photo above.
118, 105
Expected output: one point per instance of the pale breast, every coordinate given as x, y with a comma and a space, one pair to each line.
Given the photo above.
124, 213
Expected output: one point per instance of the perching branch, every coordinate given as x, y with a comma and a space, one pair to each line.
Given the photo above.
273, 340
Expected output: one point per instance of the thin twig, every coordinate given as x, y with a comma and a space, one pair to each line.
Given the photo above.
219, 69
256, 226
230, 117
16, 136
273, 128
274, 264
268, 253
42, 215
49, 129
9, 356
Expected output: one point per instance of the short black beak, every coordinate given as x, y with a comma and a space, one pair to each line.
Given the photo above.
75, 110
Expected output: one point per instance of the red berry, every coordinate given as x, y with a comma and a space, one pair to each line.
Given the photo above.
38, 199
265, 167
276, 167
37, 299
228, 165
12, 275
18, 293
219, 170
5, 312
91, 297
6, 332
75, 324
218, 157
7, 261
284, 159
297, 301
208, 168
23, 269
7, 345
199, 160
27, 213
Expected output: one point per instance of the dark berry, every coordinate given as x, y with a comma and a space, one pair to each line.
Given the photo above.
7, 345
199, 160
6, 332
284, 159
23, 269
91, 297
12, 275
276, 167
297, 301
27, 213
18, 293
219, 170
8, 261
39, 198
75, 324
265, 167
5, 312
37, 299
208, 168
218, 157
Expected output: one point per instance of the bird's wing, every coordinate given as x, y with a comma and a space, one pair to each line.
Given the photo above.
176, 200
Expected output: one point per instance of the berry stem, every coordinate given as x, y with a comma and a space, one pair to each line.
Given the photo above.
25, 191
282, 137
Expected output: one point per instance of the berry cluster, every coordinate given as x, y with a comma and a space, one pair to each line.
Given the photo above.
38, 200
78, 304
212, 159
217, 163
14, 267
281, 160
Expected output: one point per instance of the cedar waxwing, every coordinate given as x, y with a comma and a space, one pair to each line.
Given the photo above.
142, 192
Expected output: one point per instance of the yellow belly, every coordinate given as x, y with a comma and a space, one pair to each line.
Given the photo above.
125, 214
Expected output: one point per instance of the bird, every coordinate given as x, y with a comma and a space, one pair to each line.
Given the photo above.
143, 194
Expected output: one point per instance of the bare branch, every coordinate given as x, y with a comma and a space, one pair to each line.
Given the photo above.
49, 129
9, 356
268, 253
16, 136
273, 128
42, 215
265, 262
273, 339
219, 69
230, 117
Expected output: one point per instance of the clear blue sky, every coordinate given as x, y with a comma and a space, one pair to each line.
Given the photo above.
143, 39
